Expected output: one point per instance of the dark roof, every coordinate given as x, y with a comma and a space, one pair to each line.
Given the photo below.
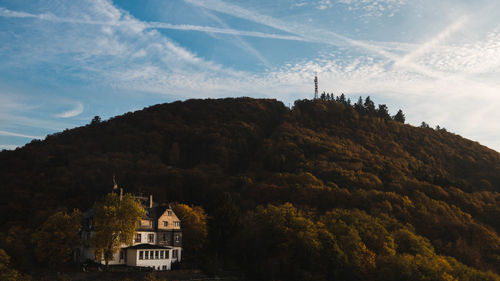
156, 212
147, 246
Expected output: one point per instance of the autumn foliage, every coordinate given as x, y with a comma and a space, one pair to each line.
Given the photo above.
324, 190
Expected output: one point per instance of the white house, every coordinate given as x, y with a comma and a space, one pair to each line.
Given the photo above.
157, 242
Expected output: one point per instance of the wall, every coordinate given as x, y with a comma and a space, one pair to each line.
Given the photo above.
154, 262
132, 257
144, 237
179, 256
170, 219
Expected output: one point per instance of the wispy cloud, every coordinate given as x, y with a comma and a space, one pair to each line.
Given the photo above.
149, 25
12, 134
301, 30
71, 113
431, 77
431, 44
243, 43
371, 8
158, 25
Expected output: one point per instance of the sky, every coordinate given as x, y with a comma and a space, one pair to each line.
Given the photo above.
64, 62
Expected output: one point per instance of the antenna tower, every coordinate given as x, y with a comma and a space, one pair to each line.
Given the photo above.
315, 85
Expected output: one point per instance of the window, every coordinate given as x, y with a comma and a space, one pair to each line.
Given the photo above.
121, 254
169, 213
177, 237
167, 254
175, 253
177, 223
164, 267
156, 254
141, 255
151, 253
165, 237
151, 238
146, 256
165, 223
138, 238
161, 254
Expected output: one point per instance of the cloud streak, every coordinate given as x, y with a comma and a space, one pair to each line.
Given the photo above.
71, 113
151, 25
12, 134
430, 80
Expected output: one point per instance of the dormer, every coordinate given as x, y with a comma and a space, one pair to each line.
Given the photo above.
146, 224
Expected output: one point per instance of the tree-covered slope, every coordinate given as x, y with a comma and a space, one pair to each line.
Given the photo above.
368, 197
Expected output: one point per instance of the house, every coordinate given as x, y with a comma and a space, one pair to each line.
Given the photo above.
157, 242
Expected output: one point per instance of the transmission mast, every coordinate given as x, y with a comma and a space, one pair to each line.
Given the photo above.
315, 85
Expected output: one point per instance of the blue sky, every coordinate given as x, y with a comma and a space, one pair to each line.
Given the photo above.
63, 62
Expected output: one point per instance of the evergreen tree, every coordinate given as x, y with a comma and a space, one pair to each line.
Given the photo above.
96, 120
341, 99
424, 125
369, 105
359, 105
399, 117
383, 111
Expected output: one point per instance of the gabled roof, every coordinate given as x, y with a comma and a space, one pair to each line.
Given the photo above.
156, 212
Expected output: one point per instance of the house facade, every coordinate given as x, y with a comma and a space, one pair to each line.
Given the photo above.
157, 242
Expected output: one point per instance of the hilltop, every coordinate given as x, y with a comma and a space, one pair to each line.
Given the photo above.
371, 197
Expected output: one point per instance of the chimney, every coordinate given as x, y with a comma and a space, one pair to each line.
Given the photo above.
150, 201
115, 185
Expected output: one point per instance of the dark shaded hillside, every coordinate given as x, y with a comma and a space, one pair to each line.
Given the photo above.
425, 188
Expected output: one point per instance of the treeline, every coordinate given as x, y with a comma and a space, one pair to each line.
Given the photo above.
344, 192
366, 107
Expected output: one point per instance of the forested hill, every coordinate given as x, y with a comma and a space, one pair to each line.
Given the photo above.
369, 198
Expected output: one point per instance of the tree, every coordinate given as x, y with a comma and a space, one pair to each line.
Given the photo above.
279, 243
341, 98
194, 225
399, 117
224, 222
95, 120
369, 105
115, 223
383, 111
424, 125
57, 238
359, 105
8, 274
